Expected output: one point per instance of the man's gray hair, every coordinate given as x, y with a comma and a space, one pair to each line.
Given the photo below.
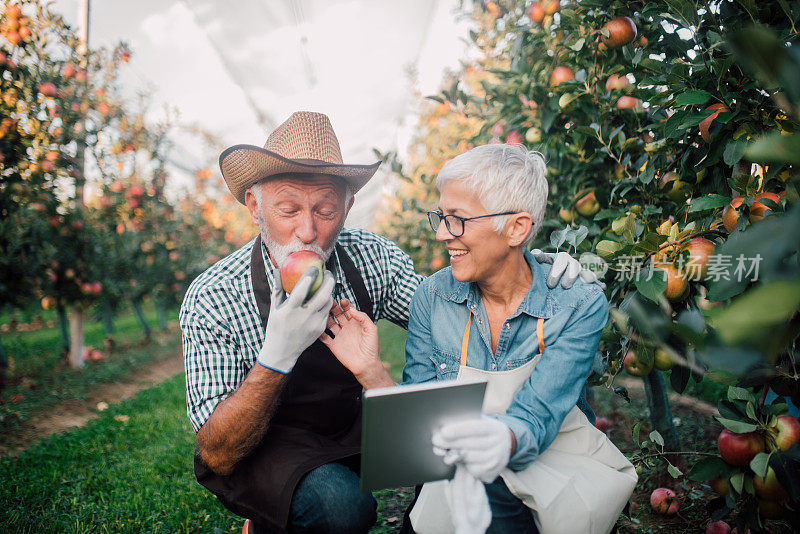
504, 177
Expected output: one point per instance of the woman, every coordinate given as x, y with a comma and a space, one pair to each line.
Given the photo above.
491, 314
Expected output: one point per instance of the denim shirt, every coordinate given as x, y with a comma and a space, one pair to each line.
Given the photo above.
574, 320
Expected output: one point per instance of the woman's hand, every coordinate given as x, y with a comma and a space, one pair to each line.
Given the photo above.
355, 344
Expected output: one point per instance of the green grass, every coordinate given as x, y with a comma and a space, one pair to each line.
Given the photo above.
47, 380
137, 476
393, 347
113, 476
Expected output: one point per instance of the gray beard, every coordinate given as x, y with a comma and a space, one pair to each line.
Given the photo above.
280, 252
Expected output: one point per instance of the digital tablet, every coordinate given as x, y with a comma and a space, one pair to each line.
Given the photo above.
397, 426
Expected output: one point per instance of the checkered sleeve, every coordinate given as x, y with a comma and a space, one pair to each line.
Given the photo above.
401, 280
214, 367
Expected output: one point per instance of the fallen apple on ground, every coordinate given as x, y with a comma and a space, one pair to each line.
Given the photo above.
664, 501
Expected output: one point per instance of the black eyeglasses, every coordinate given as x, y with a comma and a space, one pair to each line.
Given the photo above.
454, 223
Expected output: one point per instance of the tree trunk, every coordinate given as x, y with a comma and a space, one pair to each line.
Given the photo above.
108, 318
76, 336
660, 411
161, 314
63, 327
137, 310
3, 366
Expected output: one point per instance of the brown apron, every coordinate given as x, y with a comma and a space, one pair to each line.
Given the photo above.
317, 421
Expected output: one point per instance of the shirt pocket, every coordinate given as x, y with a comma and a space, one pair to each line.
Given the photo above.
446, 364
518, 362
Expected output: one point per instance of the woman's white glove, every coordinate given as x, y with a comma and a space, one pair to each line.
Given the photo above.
292, 325
469, 505
565, 268
482, 445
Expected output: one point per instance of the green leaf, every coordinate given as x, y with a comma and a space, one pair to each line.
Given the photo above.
635, 432
557, 237
708, 202
775, 148
673, 471
759, 464
693, 97
734, 151
656, 438
738, 427
606, 249
651, 282
737, 393
754, 315
708, 468
737, 482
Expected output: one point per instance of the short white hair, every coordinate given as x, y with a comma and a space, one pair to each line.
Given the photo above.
504, 177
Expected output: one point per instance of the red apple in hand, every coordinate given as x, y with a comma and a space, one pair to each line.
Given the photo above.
739, 449
786, 431
664, 501
296, 264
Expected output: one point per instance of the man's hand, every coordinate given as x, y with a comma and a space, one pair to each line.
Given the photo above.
482, 445
355, 344
565, 268
292, 325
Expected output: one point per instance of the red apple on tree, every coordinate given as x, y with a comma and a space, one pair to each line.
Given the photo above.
786, 431
739, 449
730, 214
587, 205
48, 89
635, 365
629, 102
768, 487
621, 31
535, 12
561, 74
615, 81
296, 264
758, 210
677, 285
700, 251
551, 7
664, 501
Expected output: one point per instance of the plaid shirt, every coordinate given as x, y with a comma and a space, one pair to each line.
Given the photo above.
221, 326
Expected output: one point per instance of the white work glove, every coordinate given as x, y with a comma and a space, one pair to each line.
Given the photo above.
482, 445
292, 325
469, 505
565, 268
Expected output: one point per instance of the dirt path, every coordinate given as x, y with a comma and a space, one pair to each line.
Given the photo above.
77, 412
697, 405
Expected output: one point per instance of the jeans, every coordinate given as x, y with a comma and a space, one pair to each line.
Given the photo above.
509, 514
329, 500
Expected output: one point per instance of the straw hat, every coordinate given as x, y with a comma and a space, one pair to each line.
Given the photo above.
304, 144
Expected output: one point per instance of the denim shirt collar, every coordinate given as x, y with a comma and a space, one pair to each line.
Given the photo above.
537, 301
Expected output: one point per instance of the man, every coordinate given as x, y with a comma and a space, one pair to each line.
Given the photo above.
278, 418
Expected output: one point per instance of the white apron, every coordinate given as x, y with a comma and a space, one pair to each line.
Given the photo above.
579, 484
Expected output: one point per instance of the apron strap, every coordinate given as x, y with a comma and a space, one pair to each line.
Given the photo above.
465, 339
465, 342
